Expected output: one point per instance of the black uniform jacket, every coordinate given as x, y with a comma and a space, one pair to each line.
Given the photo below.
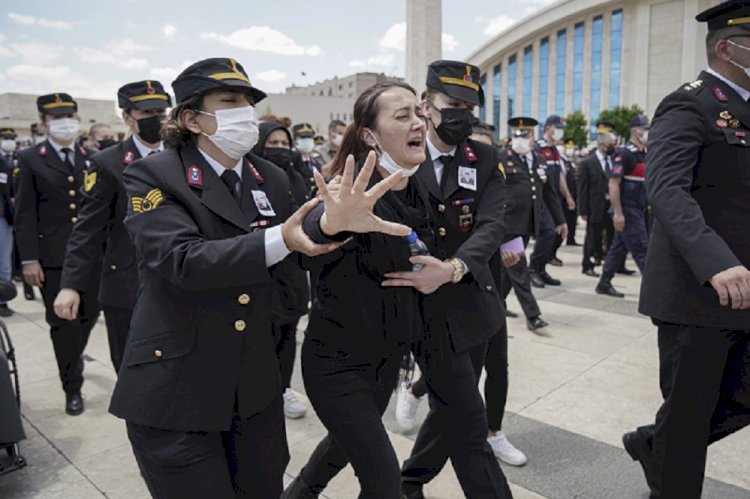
100, 222
6, 190
470, 226
201, 329
47, 202
698, 185
593, 189
524, 194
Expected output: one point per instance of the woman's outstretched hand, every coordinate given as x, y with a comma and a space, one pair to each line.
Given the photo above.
351, 209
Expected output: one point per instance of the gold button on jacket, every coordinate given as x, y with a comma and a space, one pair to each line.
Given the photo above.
243, 299
240, 325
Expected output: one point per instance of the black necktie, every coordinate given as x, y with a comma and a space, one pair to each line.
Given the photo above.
152, 152
68, 157
446, 159
608, 168
231, 179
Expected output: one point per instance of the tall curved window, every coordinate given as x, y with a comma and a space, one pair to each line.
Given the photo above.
578, 67
596, 69
511, 88
543, 78
528, 70
615, 58
562, 38
497, 89
483, 109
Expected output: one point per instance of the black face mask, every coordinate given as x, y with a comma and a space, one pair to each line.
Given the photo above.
279, 156
105, 143
610, 150
149, 129
455, 126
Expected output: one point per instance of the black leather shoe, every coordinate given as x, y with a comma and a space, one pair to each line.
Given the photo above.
298, 489
638, 450
5, 311
555, 262
590, 272
625, 271
74, 404
535, 323
548, 279
411, 491
28, 292
606, 288
572, 242
536, 280
510, 314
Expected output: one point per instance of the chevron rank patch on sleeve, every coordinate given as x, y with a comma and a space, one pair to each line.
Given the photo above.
147, 203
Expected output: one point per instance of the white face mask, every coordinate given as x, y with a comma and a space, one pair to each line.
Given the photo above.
8, 145
64, 129
643, 137
520, 145
305, 145
336, 141
236, 130
569, 152
558, 134
745, 69
560, 150
387, 162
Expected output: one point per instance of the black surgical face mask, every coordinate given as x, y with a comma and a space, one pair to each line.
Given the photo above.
610, 150
105, 143
455, 126
149, 129
279, 156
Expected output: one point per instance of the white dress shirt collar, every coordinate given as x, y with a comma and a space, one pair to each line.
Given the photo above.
59, 147
143, 149
219, 168
435, 153
745, 94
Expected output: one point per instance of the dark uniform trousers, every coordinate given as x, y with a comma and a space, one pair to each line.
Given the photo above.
341, 385
517, 278
632, 238
456, 425
545, 241
594, 244
48, 197
705, 380
496, 381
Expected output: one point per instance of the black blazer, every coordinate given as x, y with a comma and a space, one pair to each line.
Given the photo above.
593, 188
201, 329
100, 225
524, 195
47, 202
698, 186
470, 226
6, 189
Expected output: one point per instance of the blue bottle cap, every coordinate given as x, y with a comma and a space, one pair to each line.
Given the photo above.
412, 237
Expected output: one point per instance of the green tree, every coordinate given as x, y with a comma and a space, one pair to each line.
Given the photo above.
620, 117
575, 129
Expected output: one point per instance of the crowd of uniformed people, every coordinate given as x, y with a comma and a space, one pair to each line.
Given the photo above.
208, 232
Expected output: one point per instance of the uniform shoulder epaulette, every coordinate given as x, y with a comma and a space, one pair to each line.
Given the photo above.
694, 86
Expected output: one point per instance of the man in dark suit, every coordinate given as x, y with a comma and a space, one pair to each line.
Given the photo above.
199, 384
593, 197
47, 192
100, 221
696, 284
525, 196
467, 194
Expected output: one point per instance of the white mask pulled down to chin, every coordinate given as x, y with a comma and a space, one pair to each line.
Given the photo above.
386, 161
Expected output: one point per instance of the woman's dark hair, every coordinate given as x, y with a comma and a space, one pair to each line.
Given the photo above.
366, 110
173, 132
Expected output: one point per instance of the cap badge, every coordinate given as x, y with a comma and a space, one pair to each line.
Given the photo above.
57, 98
467, 76
149, 89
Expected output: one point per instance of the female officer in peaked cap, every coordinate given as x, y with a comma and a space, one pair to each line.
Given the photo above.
199, 383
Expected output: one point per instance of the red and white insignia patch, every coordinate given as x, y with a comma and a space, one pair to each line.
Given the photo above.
43, 150
258, 177
128, 158
470, 154
720, 95
195, 176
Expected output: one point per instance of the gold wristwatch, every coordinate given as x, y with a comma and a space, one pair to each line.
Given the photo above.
458, 269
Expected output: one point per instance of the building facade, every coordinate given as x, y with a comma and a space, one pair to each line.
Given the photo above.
348, 87
590, 56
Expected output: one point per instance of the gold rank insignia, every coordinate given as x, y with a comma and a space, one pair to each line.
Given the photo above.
16, 170
147, 203
501, 168
725, 115
89, 181
694, 85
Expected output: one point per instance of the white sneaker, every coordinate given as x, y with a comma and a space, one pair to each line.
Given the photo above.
505, 451
406, 408
293, 408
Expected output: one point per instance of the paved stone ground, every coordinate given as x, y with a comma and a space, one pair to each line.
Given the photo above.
573, 391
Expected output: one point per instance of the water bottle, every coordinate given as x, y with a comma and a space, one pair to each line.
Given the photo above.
416, 247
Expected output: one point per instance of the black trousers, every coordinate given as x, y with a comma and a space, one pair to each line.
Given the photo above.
286, 350
456, 428
517, 277
496, 381
69, 338
705, 381
594, 245
246, 461
350, 396
118, 325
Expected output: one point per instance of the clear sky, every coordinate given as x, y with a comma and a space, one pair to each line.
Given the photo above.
90, 48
